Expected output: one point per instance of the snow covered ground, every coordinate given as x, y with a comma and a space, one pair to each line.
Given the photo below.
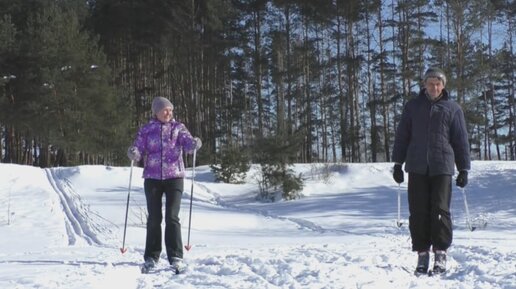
63, 228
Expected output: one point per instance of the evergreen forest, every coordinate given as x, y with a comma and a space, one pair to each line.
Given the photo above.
310, 81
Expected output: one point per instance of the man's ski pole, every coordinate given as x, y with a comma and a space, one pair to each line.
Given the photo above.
124, 249
398, 221
188, 246
468, 221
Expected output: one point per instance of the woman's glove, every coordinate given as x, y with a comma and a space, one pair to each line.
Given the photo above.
198, 143
133, 154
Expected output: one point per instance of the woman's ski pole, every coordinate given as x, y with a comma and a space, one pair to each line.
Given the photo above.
124, 249
188, 246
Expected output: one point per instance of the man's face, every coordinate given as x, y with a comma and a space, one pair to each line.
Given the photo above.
434, 87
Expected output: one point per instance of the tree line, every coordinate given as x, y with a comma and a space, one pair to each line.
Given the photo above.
325, 80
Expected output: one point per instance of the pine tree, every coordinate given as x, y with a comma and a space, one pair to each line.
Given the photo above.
61, 98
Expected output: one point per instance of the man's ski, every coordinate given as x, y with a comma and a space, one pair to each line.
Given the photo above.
147, 269
415, 272
429, 273
178, 271
419, 274
436, 273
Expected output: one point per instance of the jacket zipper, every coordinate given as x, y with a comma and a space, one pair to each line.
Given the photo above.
428, 137
161, 150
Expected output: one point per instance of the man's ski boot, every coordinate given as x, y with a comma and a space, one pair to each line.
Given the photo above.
177, 265
439, 263
423, 259
148, 266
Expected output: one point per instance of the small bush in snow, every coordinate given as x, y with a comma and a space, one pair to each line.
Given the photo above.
233, 167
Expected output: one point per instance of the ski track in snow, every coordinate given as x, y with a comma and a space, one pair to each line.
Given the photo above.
77, 220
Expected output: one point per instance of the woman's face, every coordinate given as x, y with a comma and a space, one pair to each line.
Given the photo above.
165, 115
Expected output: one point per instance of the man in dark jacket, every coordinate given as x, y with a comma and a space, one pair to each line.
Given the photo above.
431, 139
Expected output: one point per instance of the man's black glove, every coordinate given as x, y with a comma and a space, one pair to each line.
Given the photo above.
462, 179
397, 174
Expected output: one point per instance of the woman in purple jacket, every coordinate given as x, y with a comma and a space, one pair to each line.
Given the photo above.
160, 143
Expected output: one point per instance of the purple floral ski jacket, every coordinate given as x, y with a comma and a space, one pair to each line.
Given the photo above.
161, 147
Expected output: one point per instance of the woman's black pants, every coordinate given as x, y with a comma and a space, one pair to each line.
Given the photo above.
154, 191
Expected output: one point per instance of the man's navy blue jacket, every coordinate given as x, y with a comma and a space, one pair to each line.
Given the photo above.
431, 137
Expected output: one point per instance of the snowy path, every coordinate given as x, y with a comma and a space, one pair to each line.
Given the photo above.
300, 223
69, 222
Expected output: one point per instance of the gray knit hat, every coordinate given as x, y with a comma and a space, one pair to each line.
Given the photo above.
437, 73
159, 103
